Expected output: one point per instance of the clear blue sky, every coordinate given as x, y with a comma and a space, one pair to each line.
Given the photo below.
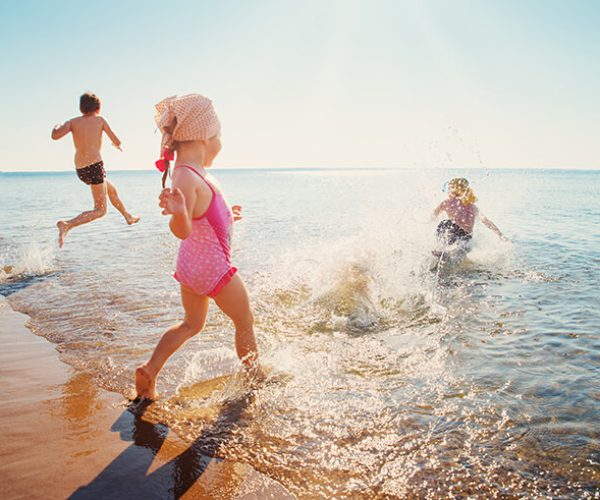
312, 83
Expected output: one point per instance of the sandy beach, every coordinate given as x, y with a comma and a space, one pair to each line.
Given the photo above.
62, 437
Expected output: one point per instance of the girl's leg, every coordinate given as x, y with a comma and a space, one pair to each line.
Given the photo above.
195, 307
233, 301
99, 194
116, 202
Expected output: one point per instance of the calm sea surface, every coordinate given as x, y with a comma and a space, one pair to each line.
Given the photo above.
388, 379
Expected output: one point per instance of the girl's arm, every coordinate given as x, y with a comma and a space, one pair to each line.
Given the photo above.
487, 222
440, 208
179, 201
60, 131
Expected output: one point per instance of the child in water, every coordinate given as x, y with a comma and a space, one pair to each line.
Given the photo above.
202, 219
87, 136
461, 213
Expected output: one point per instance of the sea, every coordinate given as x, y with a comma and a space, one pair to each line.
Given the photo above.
391, 374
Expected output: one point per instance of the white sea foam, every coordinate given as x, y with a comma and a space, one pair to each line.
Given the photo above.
31, 259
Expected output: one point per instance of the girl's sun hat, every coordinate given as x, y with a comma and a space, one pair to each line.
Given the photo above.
190, 117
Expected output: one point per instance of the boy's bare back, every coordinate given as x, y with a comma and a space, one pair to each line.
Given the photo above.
87, 137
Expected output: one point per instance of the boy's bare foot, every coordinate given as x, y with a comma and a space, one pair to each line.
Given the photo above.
145, 384
132, 219
63, 229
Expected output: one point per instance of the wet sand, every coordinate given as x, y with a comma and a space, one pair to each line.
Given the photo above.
62, 437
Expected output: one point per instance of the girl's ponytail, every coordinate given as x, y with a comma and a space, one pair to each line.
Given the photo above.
163, 165
166, 173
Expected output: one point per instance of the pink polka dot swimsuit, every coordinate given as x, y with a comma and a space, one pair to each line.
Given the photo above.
204, 258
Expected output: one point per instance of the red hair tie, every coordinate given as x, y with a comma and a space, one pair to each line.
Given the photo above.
161, 164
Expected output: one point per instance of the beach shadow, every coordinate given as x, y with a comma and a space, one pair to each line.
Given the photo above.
127, 475
14, 284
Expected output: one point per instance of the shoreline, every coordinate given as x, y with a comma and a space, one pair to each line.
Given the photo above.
63, 437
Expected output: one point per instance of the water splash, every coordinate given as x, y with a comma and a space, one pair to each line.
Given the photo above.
24, 263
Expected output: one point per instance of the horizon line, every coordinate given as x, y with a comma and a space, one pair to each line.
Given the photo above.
592, 169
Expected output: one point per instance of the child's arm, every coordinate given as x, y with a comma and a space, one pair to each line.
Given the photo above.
60, 131
179, 201
487, 222
116, 142
440, 208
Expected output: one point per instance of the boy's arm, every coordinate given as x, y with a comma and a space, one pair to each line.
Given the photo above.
111, 135
61, 130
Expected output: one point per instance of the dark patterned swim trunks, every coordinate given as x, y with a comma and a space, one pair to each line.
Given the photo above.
449, 233
92, 174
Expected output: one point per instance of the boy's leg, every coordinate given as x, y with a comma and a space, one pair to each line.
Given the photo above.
99, 194
233, 301
196, 308
113, 196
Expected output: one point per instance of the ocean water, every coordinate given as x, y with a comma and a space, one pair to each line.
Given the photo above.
390, 377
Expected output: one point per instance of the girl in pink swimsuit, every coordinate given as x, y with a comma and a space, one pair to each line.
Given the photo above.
204, 258
202, 220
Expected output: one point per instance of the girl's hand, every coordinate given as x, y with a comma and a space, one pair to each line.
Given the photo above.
172, 201
237, 212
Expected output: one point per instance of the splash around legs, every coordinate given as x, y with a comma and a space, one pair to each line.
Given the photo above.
233, 301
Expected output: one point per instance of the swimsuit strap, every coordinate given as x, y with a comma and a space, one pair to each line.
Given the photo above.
198, 174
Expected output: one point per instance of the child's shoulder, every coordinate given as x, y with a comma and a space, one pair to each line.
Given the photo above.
186, 174
185, 177
212, 179
88, 119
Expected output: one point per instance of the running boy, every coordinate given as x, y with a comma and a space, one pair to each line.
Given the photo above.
87, 136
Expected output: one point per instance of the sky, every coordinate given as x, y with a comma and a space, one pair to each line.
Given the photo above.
311, 83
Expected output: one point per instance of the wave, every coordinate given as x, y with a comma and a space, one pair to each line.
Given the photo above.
21, 264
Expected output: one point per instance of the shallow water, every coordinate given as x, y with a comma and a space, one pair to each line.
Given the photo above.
388, 379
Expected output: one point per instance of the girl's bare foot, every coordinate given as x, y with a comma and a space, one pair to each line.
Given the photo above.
145, 384
63, 229
255, 372
132, 219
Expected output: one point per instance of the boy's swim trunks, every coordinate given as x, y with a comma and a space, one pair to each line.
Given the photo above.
92, 174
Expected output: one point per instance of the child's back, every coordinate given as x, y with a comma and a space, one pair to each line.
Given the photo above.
460, 214
87, 137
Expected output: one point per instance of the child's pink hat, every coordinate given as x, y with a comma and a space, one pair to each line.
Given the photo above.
190, 117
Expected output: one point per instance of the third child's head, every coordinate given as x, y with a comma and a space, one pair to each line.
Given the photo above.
89, 104
459, 188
